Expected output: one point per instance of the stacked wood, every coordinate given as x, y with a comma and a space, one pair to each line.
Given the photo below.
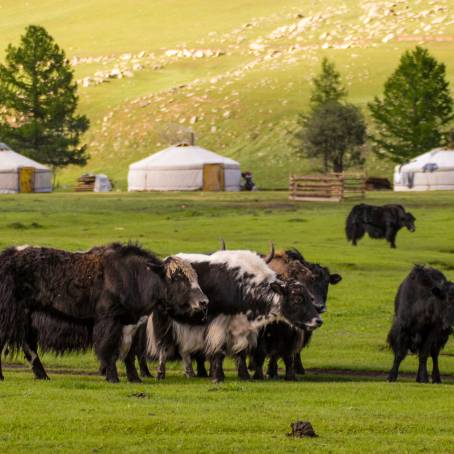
331, 187
85, 183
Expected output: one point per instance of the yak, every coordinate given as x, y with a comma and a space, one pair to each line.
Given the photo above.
63, 301
279, 339
245, 294
423, 319
378, 221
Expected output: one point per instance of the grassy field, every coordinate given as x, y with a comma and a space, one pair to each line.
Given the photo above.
344, 395
242, 103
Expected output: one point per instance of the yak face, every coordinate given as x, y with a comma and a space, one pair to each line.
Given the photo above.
409, 222
296, 305
185, 297
314, 277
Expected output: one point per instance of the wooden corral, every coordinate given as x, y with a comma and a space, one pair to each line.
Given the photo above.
331, 187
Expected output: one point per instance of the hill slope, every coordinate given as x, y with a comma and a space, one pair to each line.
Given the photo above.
236, 72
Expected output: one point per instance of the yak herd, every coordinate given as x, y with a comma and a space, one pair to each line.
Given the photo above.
129, 305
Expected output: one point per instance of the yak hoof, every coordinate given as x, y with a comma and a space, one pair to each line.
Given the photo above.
291, 378
135, 380
189, 374
113, 379
42, 377
161, 376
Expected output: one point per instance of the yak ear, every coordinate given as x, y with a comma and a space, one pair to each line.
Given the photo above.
334, 278
158, 268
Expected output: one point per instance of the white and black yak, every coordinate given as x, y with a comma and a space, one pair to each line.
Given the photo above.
62, 301
378, 221
245, 295
423, 320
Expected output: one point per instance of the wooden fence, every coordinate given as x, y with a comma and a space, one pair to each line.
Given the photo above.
331, 187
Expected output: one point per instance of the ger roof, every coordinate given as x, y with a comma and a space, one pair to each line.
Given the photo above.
182, 157
10, 160
442, 157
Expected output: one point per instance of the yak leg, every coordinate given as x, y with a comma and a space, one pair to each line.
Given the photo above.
217, 366
257, 360
298, 364
423, 376
272, 371
107, 335
187, 364
131, 371
436, 378
399, 356
140, 348
241, 365
290, 374
201, 369
144, 371
391, 236
30, 351
161, 372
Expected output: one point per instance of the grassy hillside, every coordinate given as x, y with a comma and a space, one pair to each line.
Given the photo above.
344, 394
237, 72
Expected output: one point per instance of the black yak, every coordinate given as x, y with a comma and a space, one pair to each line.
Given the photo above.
423, 319
279, 339
378, 222
63, 301
245, 294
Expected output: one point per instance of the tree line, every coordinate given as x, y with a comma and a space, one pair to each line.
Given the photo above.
39, 117
413, 116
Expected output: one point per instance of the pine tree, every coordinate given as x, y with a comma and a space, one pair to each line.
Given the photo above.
415, 110
38, 102
327, 85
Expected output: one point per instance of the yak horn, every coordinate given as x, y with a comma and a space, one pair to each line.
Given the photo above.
270, 256
223, 248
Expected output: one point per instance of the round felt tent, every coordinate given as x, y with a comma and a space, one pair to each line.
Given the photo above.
430, 171
184, 168
21, 174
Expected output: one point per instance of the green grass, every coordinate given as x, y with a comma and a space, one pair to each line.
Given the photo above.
263, 100
355, 411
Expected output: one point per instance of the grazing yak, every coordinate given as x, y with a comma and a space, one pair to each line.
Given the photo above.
378, 222
279, 340
245, 294
64, 301
423, 319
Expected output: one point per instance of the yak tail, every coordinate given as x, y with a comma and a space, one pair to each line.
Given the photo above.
353, 227
13, 314
152, 342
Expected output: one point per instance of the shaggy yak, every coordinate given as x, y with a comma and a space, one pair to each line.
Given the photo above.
64, 301
423, 319
279, 339
378, 222
245, 295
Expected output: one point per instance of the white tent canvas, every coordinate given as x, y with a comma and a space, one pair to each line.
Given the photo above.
430, 171
181, 168
11, 165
